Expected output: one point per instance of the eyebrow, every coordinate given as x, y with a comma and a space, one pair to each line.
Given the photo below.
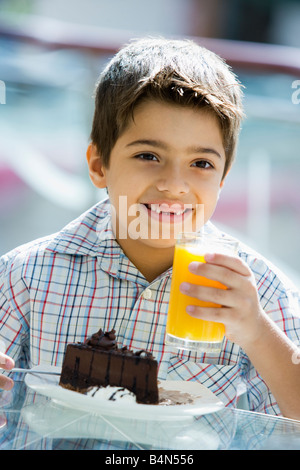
160, 144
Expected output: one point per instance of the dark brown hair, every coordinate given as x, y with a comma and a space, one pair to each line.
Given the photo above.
174, 71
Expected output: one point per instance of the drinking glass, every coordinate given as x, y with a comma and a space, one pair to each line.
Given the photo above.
184, 331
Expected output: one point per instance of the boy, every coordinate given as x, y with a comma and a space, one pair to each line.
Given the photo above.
166, 123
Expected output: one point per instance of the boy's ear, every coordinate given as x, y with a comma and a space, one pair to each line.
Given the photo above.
224, 178
222, 183
96, 168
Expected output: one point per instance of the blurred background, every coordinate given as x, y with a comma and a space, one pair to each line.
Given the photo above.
51, 53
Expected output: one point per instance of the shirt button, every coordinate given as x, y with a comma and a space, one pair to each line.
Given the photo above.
147, 294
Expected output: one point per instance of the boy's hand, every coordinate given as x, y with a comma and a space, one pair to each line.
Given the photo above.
269, 349
6, 363
241, 312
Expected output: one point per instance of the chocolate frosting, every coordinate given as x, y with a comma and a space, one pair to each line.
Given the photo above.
104, 341
107, 342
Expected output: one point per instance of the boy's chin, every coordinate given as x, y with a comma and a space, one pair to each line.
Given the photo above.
157, 243
157, 239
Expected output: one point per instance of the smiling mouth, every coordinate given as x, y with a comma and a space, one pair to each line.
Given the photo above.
168, 211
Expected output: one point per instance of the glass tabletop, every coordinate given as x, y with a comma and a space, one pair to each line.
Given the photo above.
29, 421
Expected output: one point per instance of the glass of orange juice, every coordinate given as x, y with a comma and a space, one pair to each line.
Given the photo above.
184, 331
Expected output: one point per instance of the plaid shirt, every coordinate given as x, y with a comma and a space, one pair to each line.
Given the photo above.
63, 288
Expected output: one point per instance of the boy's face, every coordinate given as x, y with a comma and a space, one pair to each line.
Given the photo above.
165, 173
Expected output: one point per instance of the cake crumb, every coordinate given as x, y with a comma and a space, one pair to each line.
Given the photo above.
174, 397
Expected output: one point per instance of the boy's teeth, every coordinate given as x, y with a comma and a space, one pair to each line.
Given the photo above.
156, 208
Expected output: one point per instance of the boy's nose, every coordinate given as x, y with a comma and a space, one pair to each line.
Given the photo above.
172, 181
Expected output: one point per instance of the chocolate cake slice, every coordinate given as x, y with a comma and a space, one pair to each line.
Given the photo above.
99, 362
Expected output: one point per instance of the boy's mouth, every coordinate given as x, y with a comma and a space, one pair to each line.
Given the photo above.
168, 212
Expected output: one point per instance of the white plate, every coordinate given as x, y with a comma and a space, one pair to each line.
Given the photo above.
205, 401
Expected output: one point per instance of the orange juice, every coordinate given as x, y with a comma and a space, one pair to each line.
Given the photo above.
180, 324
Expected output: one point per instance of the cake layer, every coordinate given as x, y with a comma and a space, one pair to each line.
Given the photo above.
86, 366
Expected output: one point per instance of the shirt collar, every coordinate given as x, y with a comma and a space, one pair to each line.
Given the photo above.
88, 234
91, 234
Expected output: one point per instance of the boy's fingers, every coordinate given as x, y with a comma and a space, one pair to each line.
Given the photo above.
208, 294
226, 276
6, 383
6, 362
231, 262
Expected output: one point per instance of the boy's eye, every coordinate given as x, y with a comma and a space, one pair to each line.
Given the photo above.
203, 164
146, 156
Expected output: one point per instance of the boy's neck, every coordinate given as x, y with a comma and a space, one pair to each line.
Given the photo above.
150, 261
